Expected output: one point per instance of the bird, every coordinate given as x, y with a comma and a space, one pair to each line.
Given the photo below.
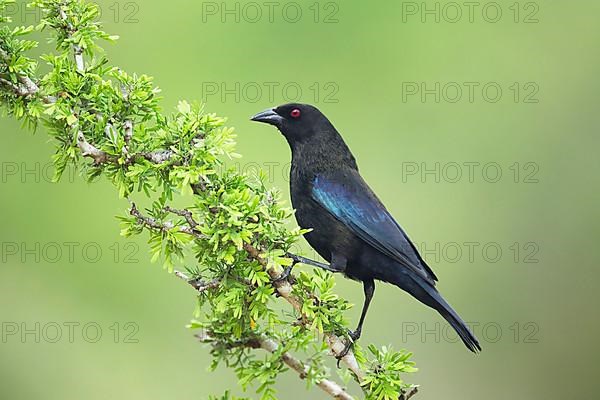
347, 223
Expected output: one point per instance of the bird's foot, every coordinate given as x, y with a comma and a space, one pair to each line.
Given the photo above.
352, 338
285, 275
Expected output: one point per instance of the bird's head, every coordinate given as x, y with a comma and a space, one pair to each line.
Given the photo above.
297, 122
309, 132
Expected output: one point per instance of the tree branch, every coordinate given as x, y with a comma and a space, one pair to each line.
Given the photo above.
285, 290
77, 50
159, 157
197, 284
187, 214
408, 394
89, 150
19, 90
128, 128
328, 386
153, 224
283, 287
26, 87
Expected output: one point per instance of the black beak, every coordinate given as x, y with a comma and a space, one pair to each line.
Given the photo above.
268, 117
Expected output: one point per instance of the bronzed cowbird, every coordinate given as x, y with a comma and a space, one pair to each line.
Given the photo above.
350, 227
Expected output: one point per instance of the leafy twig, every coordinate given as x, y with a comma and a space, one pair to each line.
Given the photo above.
328, 386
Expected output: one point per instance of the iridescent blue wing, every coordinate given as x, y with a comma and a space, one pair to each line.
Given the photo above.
348, 198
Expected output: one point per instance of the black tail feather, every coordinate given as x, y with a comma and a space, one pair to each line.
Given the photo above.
430, 296
460, 327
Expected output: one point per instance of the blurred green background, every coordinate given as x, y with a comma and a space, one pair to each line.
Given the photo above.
534, 306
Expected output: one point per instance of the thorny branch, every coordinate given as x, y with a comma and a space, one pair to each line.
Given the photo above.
270, 345
410, 393
89, 150
77, 50
153, 224
26, 87
285, 290
187, 214
197, 284
283, 287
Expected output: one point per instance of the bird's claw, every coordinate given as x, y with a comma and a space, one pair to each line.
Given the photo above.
344, 353
354, 335
352, 338
285, 275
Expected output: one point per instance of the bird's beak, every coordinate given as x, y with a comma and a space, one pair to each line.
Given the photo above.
268, 117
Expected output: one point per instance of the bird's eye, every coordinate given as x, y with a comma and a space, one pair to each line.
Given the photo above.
295, 113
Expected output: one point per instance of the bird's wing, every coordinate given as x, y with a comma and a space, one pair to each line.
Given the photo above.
348, 198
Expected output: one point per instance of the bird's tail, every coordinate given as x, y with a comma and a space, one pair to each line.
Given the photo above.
428, 294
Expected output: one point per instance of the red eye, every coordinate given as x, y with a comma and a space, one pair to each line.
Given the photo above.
295, 113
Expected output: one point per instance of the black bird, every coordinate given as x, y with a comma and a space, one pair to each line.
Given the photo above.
351, 228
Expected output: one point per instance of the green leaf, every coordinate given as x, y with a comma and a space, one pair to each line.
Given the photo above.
71, 120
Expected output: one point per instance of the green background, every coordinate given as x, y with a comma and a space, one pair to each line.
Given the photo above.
543, 298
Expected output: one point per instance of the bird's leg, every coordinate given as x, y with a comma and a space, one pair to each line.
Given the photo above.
369, 288
338, 264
